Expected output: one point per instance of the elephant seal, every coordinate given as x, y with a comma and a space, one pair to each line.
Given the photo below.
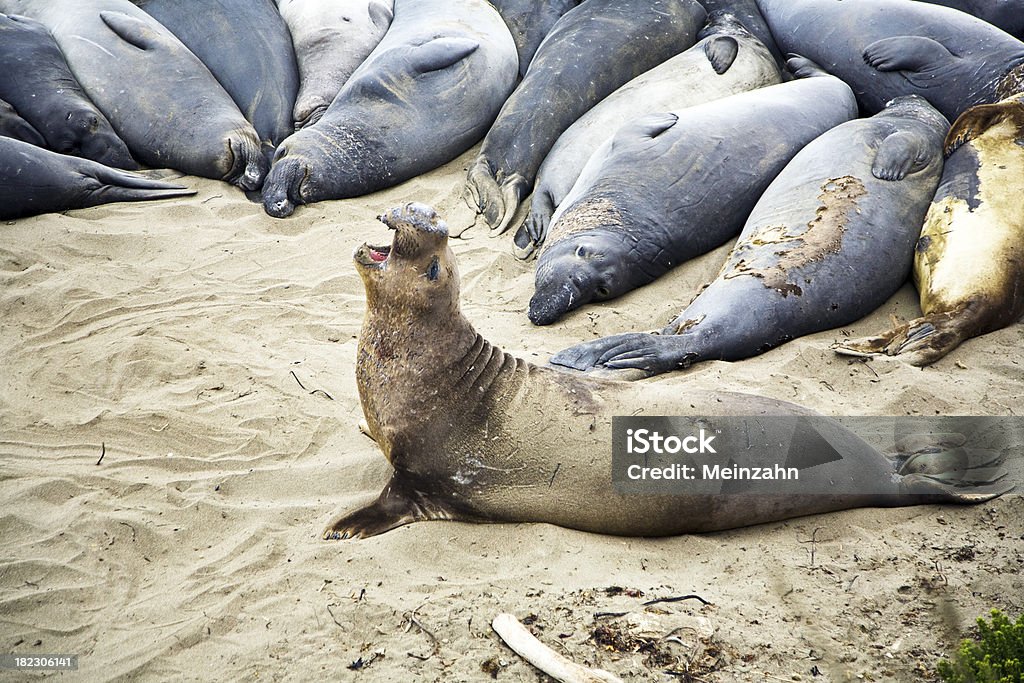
887, 48
969, 261
160, 99
671, 187
36, 81
592, 50
425, 94
1005, 14
331, 40
13, 126
457, 418
749, 16
246, 46
530, 21
34, 180
829, 241
727, 60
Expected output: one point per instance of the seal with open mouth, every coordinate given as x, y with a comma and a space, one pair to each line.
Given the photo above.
476, 434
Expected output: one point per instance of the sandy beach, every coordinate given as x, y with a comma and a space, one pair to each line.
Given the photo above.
178, 422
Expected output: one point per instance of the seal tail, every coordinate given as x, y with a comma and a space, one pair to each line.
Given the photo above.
920, 342
496, 198
123, 186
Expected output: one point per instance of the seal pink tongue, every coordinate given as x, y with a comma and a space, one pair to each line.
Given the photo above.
378, 256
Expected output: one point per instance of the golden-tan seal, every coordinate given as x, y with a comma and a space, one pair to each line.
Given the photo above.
476, 434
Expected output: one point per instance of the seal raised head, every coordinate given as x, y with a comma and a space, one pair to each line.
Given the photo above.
457, 418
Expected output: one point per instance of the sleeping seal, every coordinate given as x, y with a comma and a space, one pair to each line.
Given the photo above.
331, 39
425, 95
246, 46
829, 241
34, 180
969, 262
669, 188
160, 99
727, 60
591, 51
887, 48
13, 126
36, 81
457, 418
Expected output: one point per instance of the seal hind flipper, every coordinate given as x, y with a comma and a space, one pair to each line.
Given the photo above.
721, 51
939, 490
920, 342
976, 120
122, 186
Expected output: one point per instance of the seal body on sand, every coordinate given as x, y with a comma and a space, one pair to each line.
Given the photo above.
887, 48
1005, 14
425, 95
35, 180
160, 99
457, 419
36, 81
530, 21
13, 126
331, 40
969, 261
671, 187
592, 50
247, 47
727, 60
829, 241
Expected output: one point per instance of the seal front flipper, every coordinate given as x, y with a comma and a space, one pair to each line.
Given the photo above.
652, 353
900, 154
801, 67
919, 57
496, 198
131, 30
534, 230
396, 506
721, 51
440, 53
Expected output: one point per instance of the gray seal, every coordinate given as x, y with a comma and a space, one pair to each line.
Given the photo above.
457, 418
331, 40
530, 21
13, 126
727, 60
159, 97
592, 50
246, 46
671, 187
829, 241
887, 48
34, 180
969, 261
36, 81
426, 94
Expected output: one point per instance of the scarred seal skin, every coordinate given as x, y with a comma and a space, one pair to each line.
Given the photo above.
457, 418
592, 50
161, 100
34, 180
331, 39
887, 48
246, 46
969, 261
426, 94
727, 60
36, 81
671, 187
829, 241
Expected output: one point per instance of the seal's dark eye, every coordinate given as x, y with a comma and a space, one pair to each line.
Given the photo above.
434, 270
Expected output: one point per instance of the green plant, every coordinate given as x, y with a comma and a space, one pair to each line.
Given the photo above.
997, 657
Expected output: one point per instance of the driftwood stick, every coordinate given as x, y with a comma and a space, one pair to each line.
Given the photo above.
517, 637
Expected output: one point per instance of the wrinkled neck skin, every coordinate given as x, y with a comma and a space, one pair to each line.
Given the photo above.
420, 376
